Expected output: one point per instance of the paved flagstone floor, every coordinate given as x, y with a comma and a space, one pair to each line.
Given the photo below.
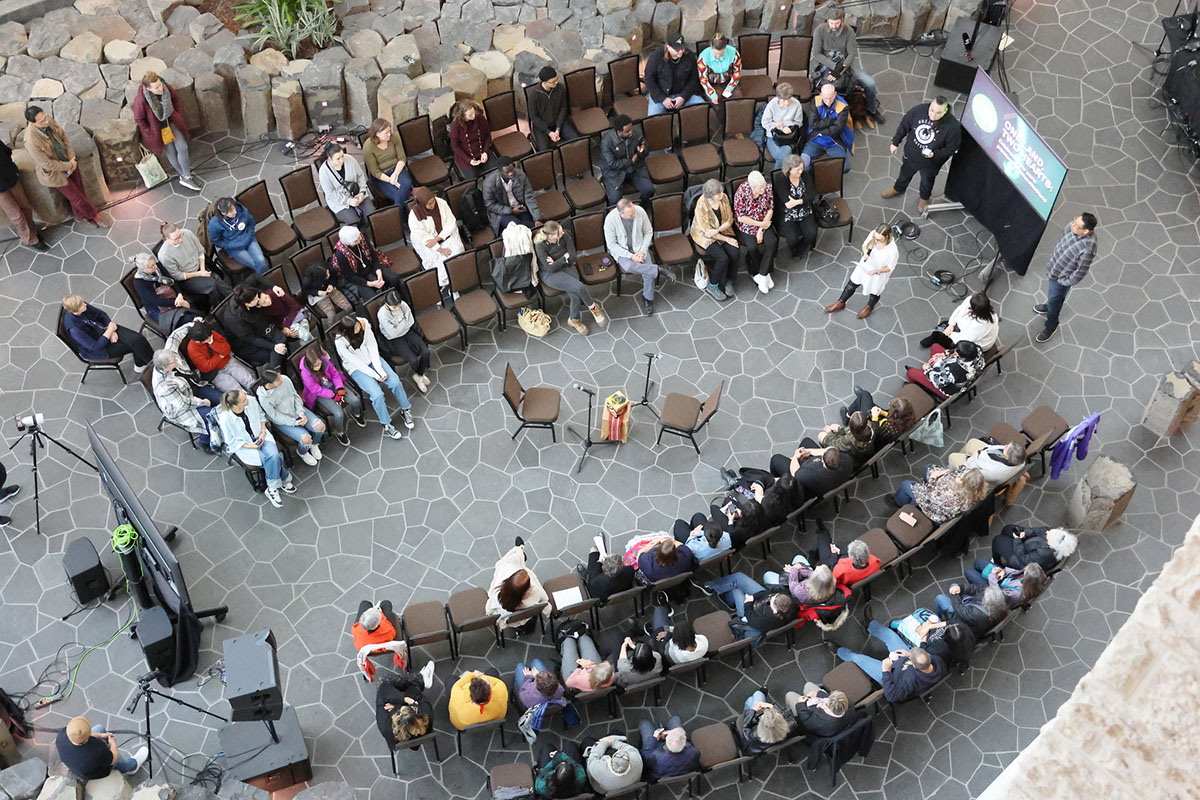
413, 520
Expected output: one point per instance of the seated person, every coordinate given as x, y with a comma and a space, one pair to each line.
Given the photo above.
183, 261
96, 337
358, 351
764, 723
679, 643
829, 129
244, 431
944, 494
666, 752
952, 642
535, 684
665, 559
776, 497
1017, 547
607, 576
328, 292
361, 265
974, 319
637, 662
977, 607
231, 228
905, 673
514, 588
282, 308
948, 372
858, 563
325, 388
855, 438
817, 471
401, 711
155, 290
212, 357
889, 424
433, 232
476, 697
287, 412
808, 586
740, 515
559, 773
613, 764
178, 401
1020, 586
583, 668
403, 337
90, 752
756, 606
821, 714
705, 538
255, 339
999, 463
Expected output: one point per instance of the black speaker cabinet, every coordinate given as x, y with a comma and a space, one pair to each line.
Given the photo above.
253, 757
252, 677
84, 573
156, 635
957, 72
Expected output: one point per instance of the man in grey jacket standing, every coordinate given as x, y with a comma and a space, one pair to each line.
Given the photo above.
613, 764
508, 197
628, 236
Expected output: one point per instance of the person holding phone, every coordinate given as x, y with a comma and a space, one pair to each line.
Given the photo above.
930, 135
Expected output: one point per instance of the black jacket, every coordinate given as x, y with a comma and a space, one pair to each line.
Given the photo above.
395, 690
152, 304
1009, 551
969, 612
619, 157
600, 585
782, 186
8, 170
815, 722
547, 110
565, 246
760, 615
666, 78
251, 335
751, 744
365, 269
817, 480
918, 131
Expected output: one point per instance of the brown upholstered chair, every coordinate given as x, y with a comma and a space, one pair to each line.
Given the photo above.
416, 136
740, 155
662, 163
437, 324
147, 323
424, 623
583, 191
908, 536
467, 611
274, 236
454, 196
718, 748
501, 112
672, 246
701, 159
794, 55
387, 230
534, 408
516, 776
721, 641
474, 305
586, 115
754, 49
300, 192
684, 415
508, 301
543, 177
848, 677
628, 97
565, 583
827, 179
591, 247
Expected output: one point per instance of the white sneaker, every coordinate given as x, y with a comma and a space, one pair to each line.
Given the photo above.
390, 430
316, 451
770, 282
309, 458
427, 675
141, 369
761, 280
141, 755
273, 496
289, 488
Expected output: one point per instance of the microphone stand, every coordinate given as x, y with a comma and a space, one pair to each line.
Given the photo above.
146, 696
645, 401
587, 441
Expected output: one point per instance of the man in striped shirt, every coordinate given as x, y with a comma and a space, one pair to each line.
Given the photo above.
1069, 263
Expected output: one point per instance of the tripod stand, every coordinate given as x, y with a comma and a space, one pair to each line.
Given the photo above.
146, 695
37, 438
587, 440
645, 401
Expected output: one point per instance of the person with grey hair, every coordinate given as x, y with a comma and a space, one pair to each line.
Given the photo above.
905, 673
1017, 546
754, 208
999, 462
156, 290
607, 576
666, 751
764, 723
807, 585
712, 233
795, 197
857, 564
979, 608
784, 122
628, 235
176, 399
1020, 586
613, 764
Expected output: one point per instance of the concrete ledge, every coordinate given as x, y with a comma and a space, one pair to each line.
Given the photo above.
26, 10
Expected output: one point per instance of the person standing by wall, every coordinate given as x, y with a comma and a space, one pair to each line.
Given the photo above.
52, 154
160, 121
14, 202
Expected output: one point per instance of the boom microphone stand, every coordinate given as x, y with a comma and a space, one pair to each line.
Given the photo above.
587, 441
146, 694
645, 401
32, 428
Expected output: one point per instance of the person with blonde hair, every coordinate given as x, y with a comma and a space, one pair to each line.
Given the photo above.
764, 723
945, 492
555, 260
96, 337
583, 668
819, 713
159, 117
754, 208
470, 139
872, 272
385, 162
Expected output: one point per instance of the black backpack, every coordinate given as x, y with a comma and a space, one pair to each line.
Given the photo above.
471, 211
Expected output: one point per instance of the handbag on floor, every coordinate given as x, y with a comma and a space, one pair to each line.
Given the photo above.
929, 430
534, 321
700, 276
150, 169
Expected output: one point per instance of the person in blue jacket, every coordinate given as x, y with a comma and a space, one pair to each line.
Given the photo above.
232, 229
97, 337
829, 129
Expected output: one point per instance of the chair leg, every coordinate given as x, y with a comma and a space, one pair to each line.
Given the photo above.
88, 369
122, 374
458, 738
502, 742
436, 752
661, 431
553, 436
395, 771
692, 439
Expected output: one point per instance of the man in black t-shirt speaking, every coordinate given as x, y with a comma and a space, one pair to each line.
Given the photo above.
931, 135
91, 754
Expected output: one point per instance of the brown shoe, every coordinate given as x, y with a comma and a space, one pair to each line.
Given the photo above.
838, 306
578, 326
866, 312
889, 193
598, 314
922, 205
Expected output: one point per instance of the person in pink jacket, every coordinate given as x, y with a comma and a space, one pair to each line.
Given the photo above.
325, 386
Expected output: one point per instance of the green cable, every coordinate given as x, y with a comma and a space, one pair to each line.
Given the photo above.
75, 672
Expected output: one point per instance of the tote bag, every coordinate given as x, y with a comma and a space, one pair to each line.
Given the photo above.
150, 169
929, 430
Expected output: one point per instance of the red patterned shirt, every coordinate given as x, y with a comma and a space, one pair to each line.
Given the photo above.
745, 204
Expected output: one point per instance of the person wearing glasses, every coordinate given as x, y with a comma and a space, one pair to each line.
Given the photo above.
872, 272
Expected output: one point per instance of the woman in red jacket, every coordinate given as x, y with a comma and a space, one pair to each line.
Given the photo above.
470, 139
160, 120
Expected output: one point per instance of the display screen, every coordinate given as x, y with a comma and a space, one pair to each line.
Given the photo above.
1012, 143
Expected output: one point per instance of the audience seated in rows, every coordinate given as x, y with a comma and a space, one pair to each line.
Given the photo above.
183, 260
945, 493
672, 77
433, 232
820, 714
706, 538
905, 673
623, 160
583, 668
556, 259
549, 114
607, 576
97, 337
977, 607
948, 372
953, 642
471, 139
386, 163
182, 404
508, 197
535, 684
786, 126
857, 564
757, 608
889, 424
401, 711
660, 557
998, 463
679, 643
975, 319
720, 69
402, 338
559, 773
816, 470
855, 438
795, 198
829, 129
361, 265
344, 184
754, 213
637, 662
328, 292
212, 357
285, 410
244, 432
231, 229
628, 236
1020, 586
712, 233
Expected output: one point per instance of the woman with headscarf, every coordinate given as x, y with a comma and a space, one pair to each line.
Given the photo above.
433, 231
160, 120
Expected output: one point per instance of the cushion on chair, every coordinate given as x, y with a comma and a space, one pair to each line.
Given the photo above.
881, 546
541, 405
475, 306
849, 678
1044, 419
585, 193
468, 609
680, 411
701, 158
438, 325
664, 167
589, 120
844, 215
421, 619
315, 223
757, 86
920, 400
598, 276
674, 248
715, 628
1005, 434
553, 204
909, 536
428, 170
511, 776
636, 108
404, 261
275, 236
512, 145
740, 152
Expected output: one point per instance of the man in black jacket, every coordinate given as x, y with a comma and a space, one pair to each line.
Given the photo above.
254, 338
817, 470
508, 197
623, 158
607, 576
931, 135
548, 112
672, 78
761, 608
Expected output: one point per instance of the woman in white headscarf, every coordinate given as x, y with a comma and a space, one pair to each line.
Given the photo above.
433, 231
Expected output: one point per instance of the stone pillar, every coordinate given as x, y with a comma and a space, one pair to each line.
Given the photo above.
287, 103
90, 171
466, 81
802, 16
957, 10
665, 21
880, 19
397, 98
731, 16
362, 78
914, 18
254, 87
496, 67
625, 26
699, 19
323, 93
49, 205
937, 15
1101, 495
1173, 405
119, 152
185, 90
776, 14
212, 97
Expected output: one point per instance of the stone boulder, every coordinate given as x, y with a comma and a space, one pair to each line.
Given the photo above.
665, 24
96, 112
143, 65
212, 97
613, 6
564, 46
76, 78
254, 89
108, 27
269, 60
158, 791
731, 16
23, 780
287, 104
45, 89
296, 67
880, 19
333, 790
179, 19
401, 57
170, 48
698, 19
420, 12
625, 25
116, 78
496, 67
396, 100
203, 27
362, 77
68, 107
182, 83
914, 18
95, 6
47, 38
776, 13
193, 62
506, 37
86, 48
13, 39
114, 787
645, 10
151, 33
332, 55
119, 51
466, 81
364, 44
61, 787
1101, 496
324, 95
436, 102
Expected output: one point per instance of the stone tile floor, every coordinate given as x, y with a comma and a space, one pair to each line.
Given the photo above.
417, 519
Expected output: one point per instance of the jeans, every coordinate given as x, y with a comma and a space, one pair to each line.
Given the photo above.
574, 649
812, 150
891, 640
375, 394
339, 412
873, 666
131, 342
126, 764
272, 463
781, 151
397, 194
646, 727
734, 588
519, 674
904, 495
867, 82
757, 697
647, 269
314, 428
772, 578
1056, 295
911, 166
653, 107
975, 574
177, 153
252, 257
945, 605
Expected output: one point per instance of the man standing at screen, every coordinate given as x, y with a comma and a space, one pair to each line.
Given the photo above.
931, 135
1069, 263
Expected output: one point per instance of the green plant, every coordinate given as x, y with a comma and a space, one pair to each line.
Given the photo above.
288, 24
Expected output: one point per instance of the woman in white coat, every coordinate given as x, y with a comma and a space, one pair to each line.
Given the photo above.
871, 273
433, 231
515, 588
244, 429
340, 175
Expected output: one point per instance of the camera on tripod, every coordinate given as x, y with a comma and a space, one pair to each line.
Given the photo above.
30, 423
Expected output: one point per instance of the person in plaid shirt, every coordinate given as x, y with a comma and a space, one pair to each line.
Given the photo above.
1069, 263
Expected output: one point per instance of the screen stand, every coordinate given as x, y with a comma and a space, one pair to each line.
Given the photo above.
949, 205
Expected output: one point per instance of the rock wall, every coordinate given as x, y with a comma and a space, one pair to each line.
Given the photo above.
1132, 725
